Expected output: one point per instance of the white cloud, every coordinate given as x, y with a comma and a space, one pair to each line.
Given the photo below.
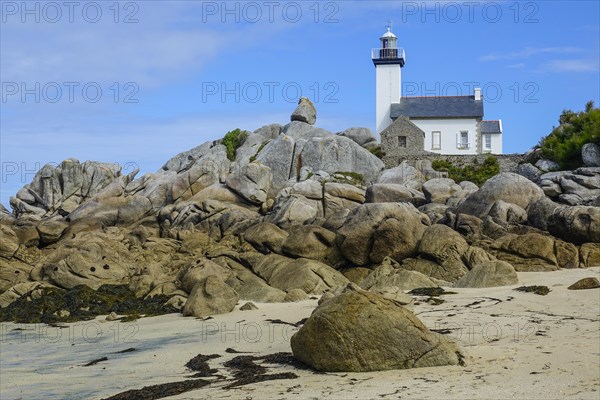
530, 52
576, 65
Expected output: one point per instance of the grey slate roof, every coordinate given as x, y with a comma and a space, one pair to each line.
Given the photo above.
490, 127
438, 107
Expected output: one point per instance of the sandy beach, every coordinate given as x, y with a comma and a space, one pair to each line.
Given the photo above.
517, 345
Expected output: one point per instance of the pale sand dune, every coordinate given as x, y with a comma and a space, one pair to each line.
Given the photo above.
524, 347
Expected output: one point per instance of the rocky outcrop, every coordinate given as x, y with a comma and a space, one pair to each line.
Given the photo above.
579, 187
577, 224
405, 175
374, 231
508, 187
360, 331
362, 136
535, 252
209, 297
439, 190
305, 112
393, 193
252, 182
62, 188
489, 274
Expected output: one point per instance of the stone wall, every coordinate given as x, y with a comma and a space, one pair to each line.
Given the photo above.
508, 162
413, 138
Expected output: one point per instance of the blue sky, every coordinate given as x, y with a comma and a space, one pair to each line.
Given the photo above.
174, 74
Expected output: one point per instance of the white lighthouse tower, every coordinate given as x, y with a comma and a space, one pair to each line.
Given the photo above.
388, 60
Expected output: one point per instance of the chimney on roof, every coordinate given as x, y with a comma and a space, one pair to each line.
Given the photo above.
477, 94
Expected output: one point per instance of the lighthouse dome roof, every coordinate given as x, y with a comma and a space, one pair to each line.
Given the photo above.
388, 34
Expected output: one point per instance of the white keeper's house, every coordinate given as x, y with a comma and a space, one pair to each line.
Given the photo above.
451, 125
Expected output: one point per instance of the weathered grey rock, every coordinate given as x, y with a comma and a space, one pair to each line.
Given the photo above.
114, 211
311, 189
294, 210
361, 136
589, 255
339, 154
509, 187
585, 283
403, 174
287, 274
9, 242
295, 295
64, 187
186, 159
579, 224
266, 237
535, 252
446, 247
439, 190
246, 284
210, 297
590, 154
489, 274
271, 131
299, 130
539, 213
390, 274
374, 231
197, 271
51, 230
252, 182
337, 337
249, 306
305, 112
393, 193
341, 196
529, 171
278, 155
91, 258
314, 242
547, 165
435, 211
507, 213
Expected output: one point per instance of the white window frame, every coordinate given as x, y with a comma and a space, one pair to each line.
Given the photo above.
460, 144
435, 146
487, 141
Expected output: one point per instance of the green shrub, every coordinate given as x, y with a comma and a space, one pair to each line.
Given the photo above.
475, 173
377, 152
232, 141
262, 146
564, 143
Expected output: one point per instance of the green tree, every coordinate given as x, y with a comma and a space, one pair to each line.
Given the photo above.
564, 143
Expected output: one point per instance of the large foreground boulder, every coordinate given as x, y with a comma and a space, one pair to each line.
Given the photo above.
360, 331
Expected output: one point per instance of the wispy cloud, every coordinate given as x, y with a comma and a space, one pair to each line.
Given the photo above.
576, 65
529, 52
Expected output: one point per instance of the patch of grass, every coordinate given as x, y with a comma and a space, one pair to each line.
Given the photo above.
351, 177
377, 152
232, 141
475, 173
262, 146
83, 303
